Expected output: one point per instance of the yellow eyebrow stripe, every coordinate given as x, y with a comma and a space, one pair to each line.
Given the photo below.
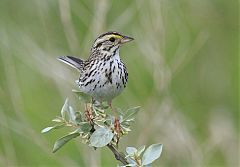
113, 35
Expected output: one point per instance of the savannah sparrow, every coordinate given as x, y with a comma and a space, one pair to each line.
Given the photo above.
103, 75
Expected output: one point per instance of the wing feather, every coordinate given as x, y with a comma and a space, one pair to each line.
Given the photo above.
73, 62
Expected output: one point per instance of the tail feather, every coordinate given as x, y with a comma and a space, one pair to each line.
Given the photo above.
72, 61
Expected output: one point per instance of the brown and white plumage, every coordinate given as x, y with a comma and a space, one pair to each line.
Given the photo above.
103, 75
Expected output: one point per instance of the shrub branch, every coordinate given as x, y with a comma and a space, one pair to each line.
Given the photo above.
118, 155
97, 129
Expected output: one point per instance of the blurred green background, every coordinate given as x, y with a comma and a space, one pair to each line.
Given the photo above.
182, 71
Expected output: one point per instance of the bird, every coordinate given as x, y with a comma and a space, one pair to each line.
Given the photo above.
103, 75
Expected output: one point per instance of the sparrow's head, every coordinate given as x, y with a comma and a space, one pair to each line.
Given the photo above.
110, 40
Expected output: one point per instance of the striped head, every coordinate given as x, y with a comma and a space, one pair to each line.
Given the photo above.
110, 41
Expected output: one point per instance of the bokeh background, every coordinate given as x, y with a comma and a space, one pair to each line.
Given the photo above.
182, 66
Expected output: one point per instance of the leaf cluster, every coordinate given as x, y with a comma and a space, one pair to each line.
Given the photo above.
94, 124
139, 158
96, 128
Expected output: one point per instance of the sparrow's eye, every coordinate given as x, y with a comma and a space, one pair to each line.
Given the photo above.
112, 39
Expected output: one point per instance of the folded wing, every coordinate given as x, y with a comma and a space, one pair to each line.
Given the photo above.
73, 62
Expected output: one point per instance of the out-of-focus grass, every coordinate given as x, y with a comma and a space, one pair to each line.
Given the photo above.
182, 66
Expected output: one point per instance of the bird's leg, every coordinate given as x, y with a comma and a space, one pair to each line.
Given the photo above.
116, 120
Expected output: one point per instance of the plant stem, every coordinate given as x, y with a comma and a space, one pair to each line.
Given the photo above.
120, 157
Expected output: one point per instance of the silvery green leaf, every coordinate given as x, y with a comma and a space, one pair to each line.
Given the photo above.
130, 113
78, 117
85, 127
152, 153
105, 105
149, 165
130, 120
108, 122
126, 129
125, 123
63, 140
100, 123
47, 129
131, 161
131, 150
71, 114
101, 137
65, 108
98, 109
132, 165
140, 150
120, 118
82, 96
119, 110
57, 120
78, 130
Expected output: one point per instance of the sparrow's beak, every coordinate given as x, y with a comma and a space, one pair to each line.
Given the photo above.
126, 39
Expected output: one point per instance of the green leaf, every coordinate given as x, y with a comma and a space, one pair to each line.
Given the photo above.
126, 129
65, 108
105, 105
131, 161
71, 114
140, 150
85, 127
152, 153
119, 111
78, 117
101, 137
82, 96
63, 140
47, 129
129, 165
131, 151
57, 120
132, 165
130, 113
